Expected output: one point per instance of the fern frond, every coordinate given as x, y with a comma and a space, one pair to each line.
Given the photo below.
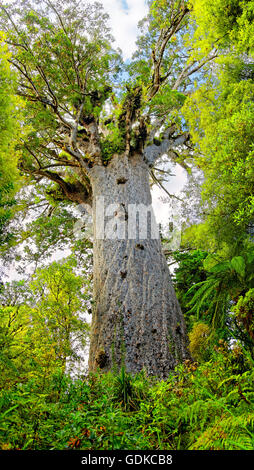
202, 294
230, 433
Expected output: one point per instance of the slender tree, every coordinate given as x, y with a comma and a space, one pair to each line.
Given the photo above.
94, 139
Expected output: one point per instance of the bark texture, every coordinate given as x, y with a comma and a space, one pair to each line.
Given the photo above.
136, 318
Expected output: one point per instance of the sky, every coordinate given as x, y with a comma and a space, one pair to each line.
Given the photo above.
124, 18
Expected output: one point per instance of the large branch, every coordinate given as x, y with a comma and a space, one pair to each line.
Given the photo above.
74, 133
73, 192
159, 51
166, 145
50, 155
193, 67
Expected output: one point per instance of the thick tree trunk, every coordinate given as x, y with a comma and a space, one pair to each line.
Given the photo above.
137, 320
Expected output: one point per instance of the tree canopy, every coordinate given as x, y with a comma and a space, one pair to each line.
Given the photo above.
220, 116
79, 108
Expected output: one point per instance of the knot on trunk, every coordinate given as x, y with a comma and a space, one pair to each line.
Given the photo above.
101, 359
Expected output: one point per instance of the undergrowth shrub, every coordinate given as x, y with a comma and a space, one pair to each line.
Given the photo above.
200, 406
200, 341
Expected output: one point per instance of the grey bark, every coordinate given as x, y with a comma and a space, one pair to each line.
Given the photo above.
153, 152
137, 320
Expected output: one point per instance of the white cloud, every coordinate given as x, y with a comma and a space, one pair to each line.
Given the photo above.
124, 22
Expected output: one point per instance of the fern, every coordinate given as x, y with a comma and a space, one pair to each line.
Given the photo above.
205, 289
229, 433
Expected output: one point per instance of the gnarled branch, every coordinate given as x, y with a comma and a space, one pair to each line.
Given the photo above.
167, 142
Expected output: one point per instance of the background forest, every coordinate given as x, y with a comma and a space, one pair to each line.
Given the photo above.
48, 400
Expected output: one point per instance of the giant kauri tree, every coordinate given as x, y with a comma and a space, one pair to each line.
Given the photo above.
94, 135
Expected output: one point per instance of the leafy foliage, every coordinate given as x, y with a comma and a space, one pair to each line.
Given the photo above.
200, 341
42, 325
189, 272
10, 130
220, 115
225, 281
223, 118
243, 311
198, 407
66, 69
223, 22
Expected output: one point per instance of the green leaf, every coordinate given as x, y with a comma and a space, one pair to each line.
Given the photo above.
250, 257
238, 265
220, 267
9, 410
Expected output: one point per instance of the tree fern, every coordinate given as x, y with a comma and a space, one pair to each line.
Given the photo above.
205, 288
226, 281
